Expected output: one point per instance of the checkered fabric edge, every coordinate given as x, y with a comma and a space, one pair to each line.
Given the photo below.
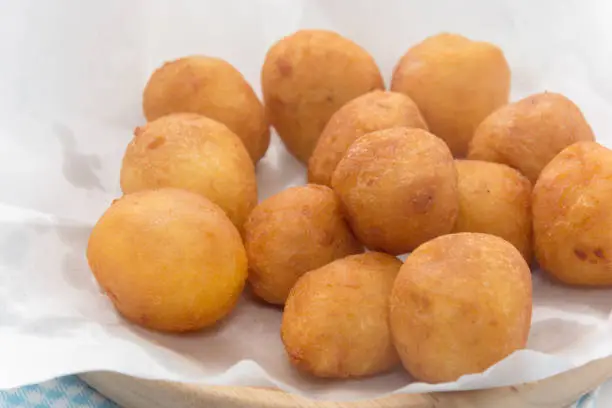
66, 392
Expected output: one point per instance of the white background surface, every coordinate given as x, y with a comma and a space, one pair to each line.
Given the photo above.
70, 94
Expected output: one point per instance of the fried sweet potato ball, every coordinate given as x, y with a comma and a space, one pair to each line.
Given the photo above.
495, 199
456, 82
461, 303
213, 88
335, 322
399, 188
168, 259
572, 221
527, 134
195, 153
308, 76
295, 231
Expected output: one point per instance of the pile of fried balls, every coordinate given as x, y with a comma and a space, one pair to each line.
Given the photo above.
442, 166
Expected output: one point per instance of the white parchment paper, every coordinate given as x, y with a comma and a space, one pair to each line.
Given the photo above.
71, 77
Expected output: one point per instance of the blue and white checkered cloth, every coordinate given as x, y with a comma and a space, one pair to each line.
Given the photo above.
67, 392
70, 392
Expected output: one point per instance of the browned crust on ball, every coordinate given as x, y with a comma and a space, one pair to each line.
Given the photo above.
308, 76
376, 110
461, 303
399, 188
211, 87
527, 134
456, 82
495, 199
291, 233
572, 220
194, 153
335, 322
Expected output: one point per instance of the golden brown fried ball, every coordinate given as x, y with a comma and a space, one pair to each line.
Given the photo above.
527, 134
168, 259
572, 217
456, 83
461, 303
291, 233
211, 87
495, 199
308, 76
335, 323
399, 188
195, 153
376, 110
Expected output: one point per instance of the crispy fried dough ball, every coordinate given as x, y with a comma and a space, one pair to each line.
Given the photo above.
168, 259
195, 153
527, 134
495, 199
211, 87
461, 303
308, 76
399, 188
291, 233
335, 322
572, 217
456, 83
376, 110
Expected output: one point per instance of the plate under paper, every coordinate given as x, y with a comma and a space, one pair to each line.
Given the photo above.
71, 78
